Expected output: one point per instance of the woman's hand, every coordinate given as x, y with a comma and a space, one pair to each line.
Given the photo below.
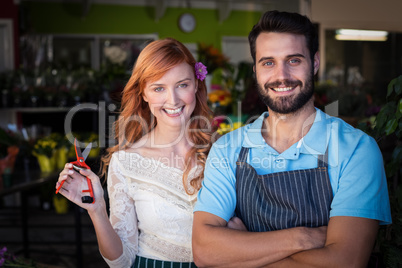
75, 183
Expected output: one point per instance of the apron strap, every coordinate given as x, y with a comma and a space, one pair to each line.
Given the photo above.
322, 160
242, 156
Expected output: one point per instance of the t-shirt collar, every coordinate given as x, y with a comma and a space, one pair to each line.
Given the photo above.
253, 137
314, 142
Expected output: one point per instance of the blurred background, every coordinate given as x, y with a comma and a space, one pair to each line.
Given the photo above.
68, 61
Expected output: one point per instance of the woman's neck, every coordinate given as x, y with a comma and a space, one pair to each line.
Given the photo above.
167, 137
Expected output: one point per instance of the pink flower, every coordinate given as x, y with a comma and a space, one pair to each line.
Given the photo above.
200, 71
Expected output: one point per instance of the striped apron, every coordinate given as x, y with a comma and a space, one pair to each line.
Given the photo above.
142, 262
284, 199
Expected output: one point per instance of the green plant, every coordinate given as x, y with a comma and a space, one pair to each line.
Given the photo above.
211, 57
388, 130
237, 78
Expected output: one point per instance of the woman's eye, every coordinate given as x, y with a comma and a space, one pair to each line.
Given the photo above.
183, 85
158, 89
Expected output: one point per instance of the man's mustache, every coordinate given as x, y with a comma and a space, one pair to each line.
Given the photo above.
285, 83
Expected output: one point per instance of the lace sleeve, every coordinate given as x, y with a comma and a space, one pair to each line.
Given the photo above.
122, 215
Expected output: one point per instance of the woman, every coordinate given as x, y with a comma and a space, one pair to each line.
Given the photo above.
156, 168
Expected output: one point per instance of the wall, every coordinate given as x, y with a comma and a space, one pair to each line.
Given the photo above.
63, 18
358, 14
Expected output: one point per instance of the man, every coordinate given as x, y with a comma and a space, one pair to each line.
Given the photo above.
291, 171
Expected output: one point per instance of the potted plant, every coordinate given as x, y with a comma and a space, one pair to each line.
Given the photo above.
8, 154
387, 130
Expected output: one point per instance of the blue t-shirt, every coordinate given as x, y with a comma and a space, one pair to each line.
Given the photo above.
355, 167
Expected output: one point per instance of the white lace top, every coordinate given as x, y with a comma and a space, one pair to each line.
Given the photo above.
149, 209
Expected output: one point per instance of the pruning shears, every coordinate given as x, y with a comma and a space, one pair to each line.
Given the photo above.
78, 165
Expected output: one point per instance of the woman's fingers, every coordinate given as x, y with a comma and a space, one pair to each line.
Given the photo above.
68, 166
73, 185
96, 184
89, 173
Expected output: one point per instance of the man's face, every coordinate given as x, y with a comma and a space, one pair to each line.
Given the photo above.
284, 71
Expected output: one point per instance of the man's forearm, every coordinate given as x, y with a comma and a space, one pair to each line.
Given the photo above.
350, 241
215, 245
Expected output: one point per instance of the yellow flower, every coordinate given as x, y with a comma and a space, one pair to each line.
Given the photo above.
226, 128
44, 146
237, 125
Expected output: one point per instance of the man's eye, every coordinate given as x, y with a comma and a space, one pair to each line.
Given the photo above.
294, 61
268, 63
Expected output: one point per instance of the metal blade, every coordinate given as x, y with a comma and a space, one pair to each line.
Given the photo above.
86, 151
77, 149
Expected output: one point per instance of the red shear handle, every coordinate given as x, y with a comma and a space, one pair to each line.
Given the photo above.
91, 198
85, 199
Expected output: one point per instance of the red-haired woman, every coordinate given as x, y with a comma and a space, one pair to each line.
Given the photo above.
156, 168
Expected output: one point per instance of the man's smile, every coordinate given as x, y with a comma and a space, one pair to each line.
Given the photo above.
282, 89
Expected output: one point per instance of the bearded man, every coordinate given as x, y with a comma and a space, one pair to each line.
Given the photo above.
298, 187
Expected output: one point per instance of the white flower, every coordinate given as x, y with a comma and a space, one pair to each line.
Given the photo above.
115, 54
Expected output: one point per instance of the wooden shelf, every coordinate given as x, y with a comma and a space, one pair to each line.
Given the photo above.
35, 109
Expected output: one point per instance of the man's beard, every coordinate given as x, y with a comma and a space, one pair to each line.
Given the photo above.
287, 104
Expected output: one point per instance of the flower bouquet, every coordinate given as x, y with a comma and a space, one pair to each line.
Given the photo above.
43, 150
211, 57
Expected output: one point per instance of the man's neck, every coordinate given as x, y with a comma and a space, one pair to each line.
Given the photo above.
281, 131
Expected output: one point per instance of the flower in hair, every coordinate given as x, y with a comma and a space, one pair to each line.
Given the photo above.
200, 71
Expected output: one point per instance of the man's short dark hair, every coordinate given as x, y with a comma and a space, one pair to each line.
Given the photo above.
285, 22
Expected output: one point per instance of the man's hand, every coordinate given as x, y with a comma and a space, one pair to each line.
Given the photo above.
237, 224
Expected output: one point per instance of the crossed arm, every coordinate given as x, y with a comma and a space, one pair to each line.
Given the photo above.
350, 241
347, 242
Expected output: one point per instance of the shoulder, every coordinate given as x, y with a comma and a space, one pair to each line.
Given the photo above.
350, 136
338, 131
125, 160
351, 145
234, 137
228, 146
248, 135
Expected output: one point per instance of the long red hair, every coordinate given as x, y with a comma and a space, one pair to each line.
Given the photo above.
135, 118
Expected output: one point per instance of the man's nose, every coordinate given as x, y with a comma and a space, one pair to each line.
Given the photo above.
282, 71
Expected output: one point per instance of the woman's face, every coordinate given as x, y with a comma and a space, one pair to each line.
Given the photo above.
172, 99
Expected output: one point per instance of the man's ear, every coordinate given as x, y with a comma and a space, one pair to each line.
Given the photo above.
316, 62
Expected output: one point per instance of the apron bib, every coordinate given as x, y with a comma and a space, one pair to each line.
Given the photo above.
284, 199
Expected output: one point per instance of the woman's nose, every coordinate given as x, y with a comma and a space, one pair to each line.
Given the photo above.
172, 97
